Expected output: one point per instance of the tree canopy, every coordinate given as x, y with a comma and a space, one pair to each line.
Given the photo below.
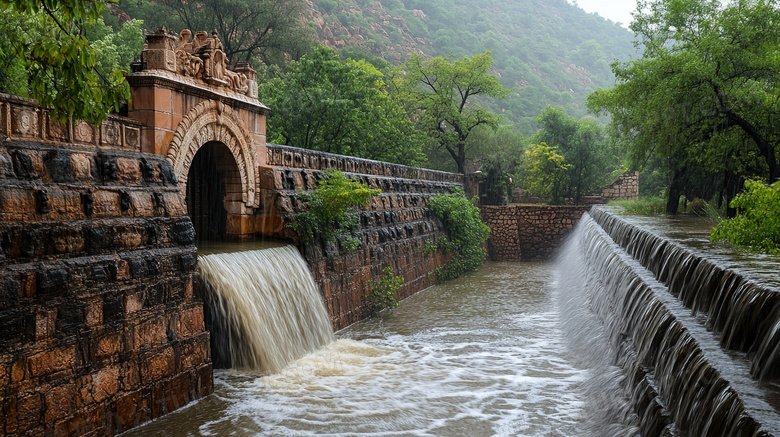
268, 31
440, 93
584, 147
322, 103
704, 95
55, 63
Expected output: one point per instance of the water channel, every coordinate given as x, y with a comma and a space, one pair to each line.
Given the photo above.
482, 355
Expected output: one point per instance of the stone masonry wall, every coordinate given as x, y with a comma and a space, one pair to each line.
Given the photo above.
394, 227
626, 187
100, 331
529, 232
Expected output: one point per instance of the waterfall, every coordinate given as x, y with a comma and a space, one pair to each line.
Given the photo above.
690, 348
263, 308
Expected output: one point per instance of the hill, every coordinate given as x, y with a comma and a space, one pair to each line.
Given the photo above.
549, 52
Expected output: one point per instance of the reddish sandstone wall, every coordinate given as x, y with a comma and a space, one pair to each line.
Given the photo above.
393, 229
529, 232
100, 331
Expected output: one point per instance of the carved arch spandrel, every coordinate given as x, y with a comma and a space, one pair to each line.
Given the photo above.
215, 121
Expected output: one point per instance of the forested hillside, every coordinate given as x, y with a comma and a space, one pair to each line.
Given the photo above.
548, 51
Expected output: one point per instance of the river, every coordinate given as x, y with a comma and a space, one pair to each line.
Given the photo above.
482, 355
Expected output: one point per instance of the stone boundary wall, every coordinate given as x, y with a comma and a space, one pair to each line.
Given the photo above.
394, 227
529, 232
626, 187
97, 261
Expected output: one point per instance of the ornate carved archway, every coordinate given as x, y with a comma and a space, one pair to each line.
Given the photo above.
215, 121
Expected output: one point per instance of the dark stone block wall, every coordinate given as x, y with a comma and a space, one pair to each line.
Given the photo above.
529, 232
100, 331
394, 227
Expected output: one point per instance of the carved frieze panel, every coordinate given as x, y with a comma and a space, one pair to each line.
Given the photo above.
132, 138
55, 130
24, 121
110, 134
83, 133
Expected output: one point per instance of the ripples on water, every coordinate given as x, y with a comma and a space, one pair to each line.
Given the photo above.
479, 356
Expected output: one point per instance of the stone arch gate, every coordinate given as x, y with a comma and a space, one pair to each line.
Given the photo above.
185, 98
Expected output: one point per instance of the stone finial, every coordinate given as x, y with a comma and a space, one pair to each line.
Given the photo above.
159, 53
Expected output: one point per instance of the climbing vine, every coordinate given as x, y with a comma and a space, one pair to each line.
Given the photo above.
467, 233
329, 211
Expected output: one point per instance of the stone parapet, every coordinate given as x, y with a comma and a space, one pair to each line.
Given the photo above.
394, 227
293, 157
529, 232
97, 262
25, 120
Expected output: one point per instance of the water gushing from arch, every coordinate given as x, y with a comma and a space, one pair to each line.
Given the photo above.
263, 308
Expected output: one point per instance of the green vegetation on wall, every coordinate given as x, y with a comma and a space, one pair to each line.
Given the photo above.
382, 294
467, 234
329, 210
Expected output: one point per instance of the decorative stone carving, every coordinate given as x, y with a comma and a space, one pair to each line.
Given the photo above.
204, 58
214, 121
111, 133
83, 133
25, 121
132, 138
56, 130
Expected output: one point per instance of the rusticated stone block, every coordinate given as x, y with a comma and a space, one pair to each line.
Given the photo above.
52, 361
158, 366
60, 402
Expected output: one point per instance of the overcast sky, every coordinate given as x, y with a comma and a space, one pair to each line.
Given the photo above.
615, 10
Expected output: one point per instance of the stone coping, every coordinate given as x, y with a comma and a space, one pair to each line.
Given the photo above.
190, 86
294, 157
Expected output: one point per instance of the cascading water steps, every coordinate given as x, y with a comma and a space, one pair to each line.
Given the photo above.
678, 377
263, 308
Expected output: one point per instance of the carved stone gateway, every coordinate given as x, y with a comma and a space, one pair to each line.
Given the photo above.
186, 96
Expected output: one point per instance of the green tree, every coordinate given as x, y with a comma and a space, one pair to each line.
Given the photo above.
325, 104
546, 172
584, 147
268, 31
440, 95
62, 67
703, 97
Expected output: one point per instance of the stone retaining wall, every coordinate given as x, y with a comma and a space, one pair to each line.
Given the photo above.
394, 227
100, 331
529, 232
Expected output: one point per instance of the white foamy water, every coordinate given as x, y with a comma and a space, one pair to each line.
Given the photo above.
479, 356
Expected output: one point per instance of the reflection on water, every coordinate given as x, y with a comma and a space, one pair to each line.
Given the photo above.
479, 356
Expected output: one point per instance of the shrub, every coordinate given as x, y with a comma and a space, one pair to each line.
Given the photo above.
467, 233
757, 223
330, 210
382, 293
